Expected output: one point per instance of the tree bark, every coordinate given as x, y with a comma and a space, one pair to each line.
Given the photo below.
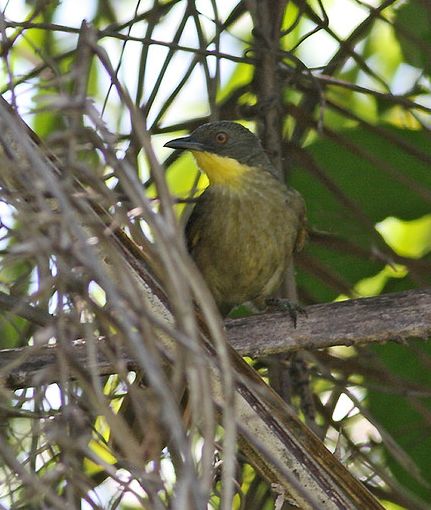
391, 317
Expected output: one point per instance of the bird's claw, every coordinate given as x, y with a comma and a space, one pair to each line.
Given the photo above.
284, 305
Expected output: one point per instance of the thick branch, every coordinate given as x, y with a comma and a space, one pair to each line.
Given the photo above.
392, 317
398, 316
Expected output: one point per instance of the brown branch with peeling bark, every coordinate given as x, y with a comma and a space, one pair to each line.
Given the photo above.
392, 317
396, 317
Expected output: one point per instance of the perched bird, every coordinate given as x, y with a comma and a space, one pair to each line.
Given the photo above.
246, 225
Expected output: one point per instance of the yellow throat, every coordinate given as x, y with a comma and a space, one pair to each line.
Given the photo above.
220, 169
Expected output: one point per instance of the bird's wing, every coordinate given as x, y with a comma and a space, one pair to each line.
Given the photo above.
301, 238
192, 230
298, 204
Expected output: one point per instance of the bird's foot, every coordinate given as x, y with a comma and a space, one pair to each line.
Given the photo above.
283, 305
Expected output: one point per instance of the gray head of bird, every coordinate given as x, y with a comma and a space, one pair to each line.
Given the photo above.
224, 150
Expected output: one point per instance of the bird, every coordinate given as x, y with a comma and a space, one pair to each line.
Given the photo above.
246, 226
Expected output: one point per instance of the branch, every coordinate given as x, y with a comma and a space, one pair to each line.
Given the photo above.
392, 317
267, 20
399, 316
345, 51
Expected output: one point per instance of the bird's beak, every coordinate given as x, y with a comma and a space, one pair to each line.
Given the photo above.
186, 143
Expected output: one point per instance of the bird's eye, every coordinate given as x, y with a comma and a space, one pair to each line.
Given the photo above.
221, 138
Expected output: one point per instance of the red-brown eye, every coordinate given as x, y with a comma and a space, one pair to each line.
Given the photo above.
221, 138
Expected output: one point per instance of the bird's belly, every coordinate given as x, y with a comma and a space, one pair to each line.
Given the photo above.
247, 261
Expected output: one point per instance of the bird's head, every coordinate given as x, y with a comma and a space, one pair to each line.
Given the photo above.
224, 150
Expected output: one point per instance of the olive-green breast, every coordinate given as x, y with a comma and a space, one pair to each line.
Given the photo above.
242, 239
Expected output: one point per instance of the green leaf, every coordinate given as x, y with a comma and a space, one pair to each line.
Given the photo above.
376, 180
408, 238
414, 20
400, 414
12, 331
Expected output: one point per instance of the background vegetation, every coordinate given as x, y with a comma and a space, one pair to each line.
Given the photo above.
344, 103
